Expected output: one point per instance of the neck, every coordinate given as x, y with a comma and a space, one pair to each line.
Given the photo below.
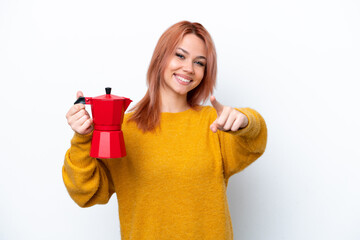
171, 102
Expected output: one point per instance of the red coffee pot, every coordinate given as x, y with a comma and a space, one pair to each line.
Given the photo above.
108, 114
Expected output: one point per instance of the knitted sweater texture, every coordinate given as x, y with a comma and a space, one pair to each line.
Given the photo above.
172, 183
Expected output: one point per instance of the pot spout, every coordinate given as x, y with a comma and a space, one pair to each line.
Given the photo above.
127, 103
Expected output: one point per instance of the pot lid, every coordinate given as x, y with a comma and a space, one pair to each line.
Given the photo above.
108, 96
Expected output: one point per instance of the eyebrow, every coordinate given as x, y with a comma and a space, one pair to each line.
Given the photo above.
188, 53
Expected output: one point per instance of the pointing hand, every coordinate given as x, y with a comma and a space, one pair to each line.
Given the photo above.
228, 118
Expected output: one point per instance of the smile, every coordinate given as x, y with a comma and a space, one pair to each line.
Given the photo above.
182, 80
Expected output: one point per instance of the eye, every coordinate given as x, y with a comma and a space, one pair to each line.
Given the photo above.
179, 55
200, 63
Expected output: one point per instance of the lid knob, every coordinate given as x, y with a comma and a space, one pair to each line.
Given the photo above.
108, 90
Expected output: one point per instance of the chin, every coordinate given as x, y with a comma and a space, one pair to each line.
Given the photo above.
182, 92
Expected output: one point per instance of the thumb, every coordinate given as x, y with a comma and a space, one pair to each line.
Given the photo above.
79, 94
218, 106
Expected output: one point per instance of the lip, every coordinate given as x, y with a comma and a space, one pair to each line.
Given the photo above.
183, 76
182, 82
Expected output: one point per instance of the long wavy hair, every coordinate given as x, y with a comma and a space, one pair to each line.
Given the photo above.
146, 113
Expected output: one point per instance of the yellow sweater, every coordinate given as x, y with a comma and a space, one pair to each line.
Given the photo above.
172, 183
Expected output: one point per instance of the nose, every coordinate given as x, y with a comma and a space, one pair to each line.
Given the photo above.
188, 67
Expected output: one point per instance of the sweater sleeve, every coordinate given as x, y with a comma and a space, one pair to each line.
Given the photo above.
239, 149
87, 179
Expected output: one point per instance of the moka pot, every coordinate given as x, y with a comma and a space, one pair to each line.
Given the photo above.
108, 113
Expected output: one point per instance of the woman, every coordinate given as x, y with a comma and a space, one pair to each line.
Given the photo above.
180, 155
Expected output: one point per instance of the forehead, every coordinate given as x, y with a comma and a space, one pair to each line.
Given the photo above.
193, 44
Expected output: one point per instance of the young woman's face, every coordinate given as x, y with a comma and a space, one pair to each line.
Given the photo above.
186, 67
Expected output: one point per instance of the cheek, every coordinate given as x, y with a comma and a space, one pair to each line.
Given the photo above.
200, 74
173, 65
200, 79
168, 70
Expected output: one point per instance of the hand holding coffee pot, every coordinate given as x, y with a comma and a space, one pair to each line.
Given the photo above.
78, 118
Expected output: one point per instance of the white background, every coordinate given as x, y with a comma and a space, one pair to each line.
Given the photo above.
296, 62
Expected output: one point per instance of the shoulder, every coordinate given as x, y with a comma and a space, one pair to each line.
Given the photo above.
126, 122
206, 113
127, 115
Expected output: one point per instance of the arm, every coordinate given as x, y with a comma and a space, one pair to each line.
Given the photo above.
87, 179
242, 147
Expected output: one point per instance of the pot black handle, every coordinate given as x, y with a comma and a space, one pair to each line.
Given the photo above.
80, 100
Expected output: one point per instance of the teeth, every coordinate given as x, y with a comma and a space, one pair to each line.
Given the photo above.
183, 79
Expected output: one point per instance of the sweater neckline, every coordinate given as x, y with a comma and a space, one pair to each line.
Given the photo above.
188, 111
